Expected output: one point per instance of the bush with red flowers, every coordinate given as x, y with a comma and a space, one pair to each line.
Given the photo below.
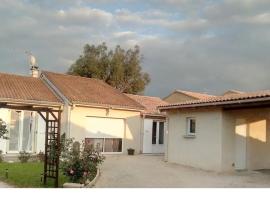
79, 162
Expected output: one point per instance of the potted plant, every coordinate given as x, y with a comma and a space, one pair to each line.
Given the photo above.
131, 151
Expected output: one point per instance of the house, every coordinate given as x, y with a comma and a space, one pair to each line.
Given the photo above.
224, 133
181, 95
97, 113
153, 124
92, 111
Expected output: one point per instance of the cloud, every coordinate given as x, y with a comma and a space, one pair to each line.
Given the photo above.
84, 16
201, 45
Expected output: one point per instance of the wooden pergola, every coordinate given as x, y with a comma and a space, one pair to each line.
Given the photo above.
33, 94
51, 114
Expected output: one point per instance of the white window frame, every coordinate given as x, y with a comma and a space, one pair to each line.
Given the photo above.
188, 122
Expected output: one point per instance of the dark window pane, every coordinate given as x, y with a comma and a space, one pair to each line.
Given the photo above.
161, 133
154, 133
192, 126
113, 145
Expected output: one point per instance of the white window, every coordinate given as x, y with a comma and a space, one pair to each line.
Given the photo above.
21, 131
191, 126
106, 145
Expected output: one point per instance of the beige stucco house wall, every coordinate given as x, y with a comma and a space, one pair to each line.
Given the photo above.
182, 96
248, 133
177, 97
225, 139
204, 150
78, 124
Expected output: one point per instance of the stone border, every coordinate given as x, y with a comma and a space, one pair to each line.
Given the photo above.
93, 182
78, 185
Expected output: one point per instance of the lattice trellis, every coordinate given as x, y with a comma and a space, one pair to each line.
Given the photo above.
52, 146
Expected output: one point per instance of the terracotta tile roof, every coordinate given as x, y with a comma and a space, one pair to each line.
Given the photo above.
90, 91
15, 88
149, 103
195, 95
222, 100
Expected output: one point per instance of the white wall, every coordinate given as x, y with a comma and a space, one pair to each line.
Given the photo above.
203, 151
225, 140
132, 124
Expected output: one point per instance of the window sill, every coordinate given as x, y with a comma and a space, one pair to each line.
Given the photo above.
189, 136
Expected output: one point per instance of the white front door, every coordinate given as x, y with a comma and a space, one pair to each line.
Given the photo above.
153, 137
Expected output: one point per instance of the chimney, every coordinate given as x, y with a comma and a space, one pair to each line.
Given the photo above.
34, 71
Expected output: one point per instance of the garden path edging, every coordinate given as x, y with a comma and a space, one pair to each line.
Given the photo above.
78, 185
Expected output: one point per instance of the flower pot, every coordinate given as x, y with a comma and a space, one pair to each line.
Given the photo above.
131, 151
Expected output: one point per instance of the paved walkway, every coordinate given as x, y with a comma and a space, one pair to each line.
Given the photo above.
4, 185
151, 171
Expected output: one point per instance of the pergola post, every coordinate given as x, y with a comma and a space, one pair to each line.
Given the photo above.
52, 145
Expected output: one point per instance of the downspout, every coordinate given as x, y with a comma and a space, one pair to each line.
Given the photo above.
142, 133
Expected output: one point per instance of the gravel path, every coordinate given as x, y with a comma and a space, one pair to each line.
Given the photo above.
151, 171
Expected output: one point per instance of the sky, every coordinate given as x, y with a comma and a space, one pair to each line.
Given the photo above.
207, 46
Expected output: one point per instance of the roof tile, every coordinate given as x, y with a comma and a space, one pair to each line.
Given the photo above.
150, 103
90, 91
26, 89
233, 98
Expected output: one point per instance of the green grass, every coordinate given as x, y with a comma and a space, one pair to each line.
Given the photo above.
27, 175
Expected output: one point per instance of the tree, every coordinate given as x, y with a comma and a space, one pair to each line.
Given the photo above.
119, 68
3, 129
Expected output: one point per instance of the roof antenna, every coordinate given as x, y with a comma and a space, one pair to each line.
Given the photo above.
34, 70
32, 60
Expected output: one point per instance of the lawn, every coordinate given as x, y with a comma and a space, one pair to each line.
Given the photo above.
26, 175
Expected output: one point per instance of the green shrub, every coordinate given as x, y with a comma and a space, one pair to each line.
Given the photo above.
3, 129
41, 156
24, 156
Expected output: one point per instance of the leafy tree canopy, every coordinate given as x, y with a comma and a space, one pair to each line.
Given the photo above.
119, 68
